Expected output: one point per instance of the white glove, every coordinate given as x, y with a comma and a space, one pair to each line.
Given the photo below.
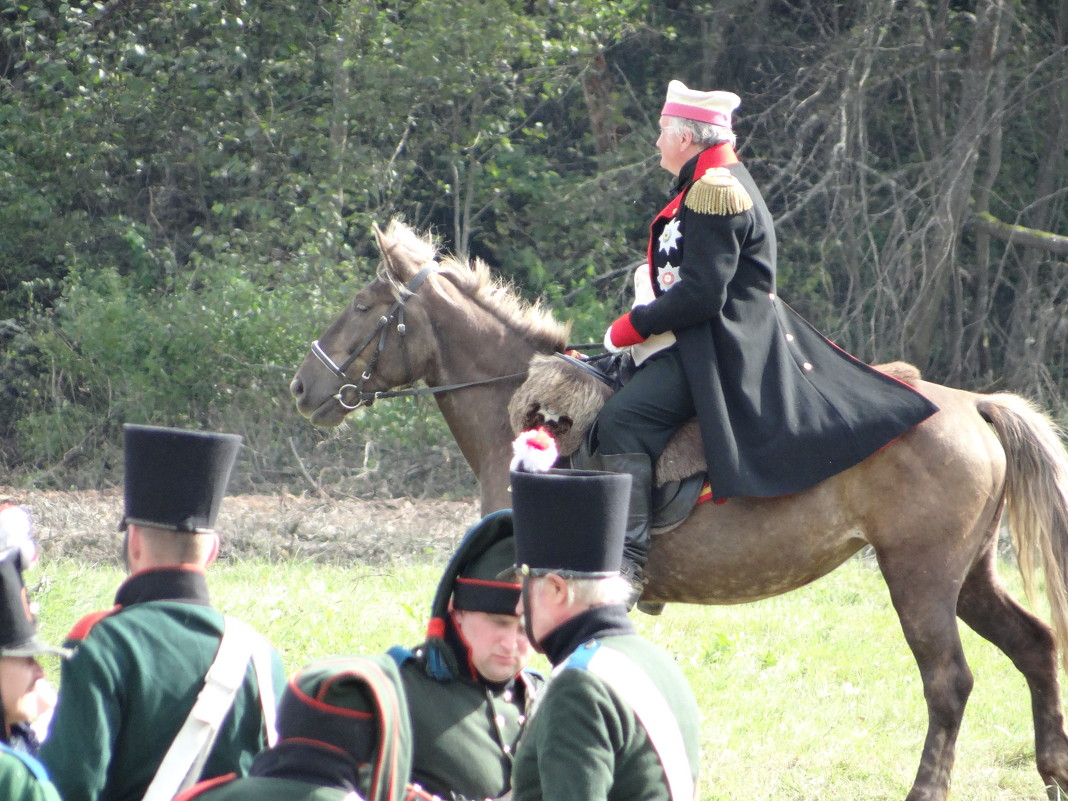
608, 346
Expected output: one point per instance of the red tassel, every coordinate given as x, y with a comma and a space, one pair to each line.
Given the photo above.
436, 628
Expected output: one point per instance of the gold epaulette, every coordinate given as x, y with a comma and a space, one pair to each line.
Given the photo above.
718, 192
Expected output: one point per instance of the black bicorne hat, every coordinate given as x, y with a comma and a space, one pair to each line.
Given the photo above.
472, 581
176, 479
569, 522
471, 576
18, 624
478, 588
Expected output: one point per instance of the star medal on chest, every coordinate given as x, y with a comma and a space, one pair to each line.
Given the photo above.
667, 276
670, 236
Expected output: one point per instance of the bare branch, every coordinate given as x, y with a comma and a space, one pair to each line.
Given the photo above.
1019, 234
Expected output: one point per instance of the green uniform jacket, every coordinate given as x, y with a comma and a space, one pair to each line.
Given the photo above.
23, 778
464, 730
583, 741
269, 788
130, 684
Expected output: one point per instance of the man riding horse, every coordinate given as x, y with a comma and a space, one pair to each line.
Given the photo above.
780, 407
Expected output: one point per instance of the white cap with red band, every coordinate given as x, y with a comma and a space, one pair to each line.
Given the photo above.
711, 107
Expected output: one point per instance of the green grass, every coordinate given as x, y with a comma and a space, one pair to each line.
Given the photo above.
811, 695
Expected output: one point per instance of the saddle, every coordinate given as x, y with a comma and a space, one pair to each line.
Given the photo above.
564, 395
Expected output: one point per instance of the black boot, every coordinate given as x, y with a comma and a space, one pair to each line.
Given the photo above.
636, 543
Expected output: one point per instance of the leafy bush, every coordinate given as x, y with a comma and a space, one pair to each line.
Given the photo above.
218, 357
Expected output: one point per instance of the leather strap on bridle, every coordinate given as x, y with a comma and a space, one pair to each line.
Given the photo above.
352, 395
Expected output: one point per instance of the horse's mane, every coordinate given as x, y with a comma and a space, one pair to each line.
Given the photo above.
407, 252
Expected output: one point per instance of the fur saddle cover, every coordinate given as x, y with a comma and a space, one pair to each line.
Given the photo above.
564, 395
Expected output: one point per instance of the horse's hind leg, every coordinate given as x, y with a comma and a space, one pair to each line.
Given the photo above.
989, 610
925, 600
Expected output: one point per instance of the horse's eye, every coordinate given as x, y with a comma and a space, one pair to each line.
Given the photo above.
360, 307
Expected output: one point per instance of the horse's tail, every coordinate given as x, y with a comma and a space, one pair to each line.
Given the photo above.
1036, 492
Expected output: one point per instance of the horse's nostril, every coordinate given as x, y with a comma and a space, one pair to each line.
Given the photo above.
296, 387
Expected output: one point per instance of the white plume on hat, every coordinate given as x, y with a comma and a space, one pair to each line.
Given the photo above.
15, 532
535, 451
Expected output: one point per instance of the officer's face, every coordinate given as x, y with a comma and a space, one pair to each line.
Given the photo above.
675, 148
499, 647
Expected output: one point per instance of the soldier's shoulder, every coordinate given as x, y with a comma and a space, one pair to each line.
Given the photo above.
718, 192
81, 629
22, 763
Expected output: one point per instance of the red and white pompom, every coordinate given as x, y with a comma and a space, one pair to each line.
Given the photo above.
15, 532
535, 451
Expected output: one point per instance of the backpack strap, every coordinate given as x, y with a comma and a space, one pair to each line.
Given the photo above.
200, 788
36, 769
261, 664
184, 760
632, 684
400, 654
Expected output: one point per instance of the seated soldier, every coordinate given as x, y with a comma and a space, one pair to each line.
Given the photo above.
22, 777
618, 720
468, 690
343, 735
124, 726
21, 676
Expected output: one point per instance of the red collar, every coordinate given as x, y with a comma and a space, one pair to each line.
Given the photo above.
721, 155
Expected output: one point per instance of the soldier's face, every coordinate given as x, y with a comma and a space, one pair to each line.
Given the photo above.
499, 647
18, 687
545, 605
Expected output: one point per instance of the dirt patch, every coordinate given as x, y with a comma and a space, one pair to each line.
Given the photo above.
82, 525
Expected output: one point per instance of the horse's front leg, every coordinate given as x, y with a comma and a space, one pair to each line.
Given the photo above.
925, 600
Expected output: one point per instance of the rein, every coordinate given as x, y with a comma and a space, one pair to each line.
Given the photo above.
353, 396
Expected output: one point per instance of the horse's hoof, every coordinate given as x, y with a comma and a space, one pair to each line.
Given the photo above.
650, 607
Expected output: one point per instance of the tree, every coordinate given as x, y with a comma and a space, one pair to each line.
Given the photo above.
896, 123
222, 163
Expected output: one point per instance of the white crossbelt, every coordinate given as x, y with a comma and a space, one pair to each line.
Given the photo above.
184, 760
621, 674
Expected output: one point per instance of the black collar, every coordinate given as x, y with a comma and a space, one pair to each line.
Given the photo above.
304, 762
185, 584
599, 621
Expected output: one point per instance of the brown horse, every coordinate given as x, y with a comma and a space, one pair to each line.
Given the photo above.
929, 504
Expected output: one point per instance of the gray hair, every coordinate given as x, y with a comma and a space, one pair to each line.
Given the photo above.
704, 133
598, 591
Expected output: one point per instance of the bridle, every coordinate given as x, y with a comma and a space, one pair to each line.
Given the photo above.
353, 396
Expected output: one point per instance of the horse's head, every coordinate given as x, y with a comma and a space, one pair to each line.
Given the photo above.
380, 341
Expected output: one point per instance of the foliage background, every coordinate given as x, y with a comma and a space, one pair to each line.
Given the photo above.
187, 190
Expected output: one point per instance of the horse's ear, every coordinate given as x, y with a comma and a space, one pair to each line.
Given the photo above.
386, 248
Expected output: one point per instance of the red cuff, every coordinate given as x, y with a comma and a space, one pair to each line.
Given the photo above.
623, 332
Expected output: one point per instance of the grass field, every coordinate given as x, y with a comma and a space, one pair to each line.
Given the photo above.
812, 695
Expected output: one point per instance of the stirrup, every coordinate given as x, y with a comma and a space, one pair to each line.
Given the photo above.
635, 577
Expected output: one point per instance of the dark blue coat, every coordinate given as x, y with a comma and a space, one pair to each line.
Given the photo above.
781, 408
